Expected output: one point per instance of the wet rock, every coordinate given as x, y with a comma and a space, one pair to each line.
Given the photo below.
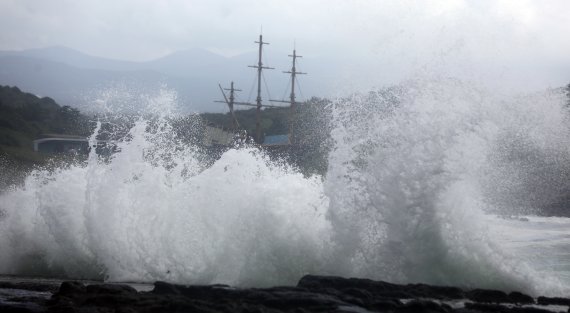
553, 301
384, 305
308, 301
485, 307
528, 309
421, 306
110, 289
32, 286
436, 292
313, 282
68, 288
162, 288
488, 296
520, 298
312, 294
16, 308
379, 288
358, 293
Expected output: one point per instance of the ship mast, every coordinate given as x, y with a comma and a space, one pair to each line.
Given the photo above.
294, 74
292, 100
230, 103
259, 68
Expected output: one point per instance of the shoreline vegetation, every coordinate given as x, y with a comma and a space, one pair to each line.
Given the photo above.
311, 294
25, 117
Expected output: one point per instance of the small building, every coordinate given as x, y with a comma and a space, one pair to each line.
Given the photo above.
276, 140
217, 136
58, 143
70, 144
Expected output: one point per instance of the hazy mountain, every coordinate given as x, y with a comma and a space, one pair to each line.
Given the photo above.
67, 84
75, 58
77, 79
192, 62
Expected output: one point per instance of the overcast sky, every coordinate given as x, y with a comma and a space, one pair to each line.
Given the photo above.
522, 42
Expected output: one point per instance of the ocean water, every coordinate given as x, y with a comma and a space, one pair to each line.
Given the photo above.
420, 178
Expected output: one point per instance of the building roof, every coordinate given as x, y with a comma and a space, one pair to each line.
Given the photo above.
276, 140
54, 136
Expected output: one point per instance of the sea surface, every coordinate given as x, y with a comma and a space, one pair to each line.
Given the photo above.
543, 241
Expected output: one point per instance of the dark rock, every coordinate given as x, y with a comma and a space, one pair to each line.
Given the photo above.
113, 300
176, 305
520, 298
110, 289
354, 301
126, 310
420, 306
203, 292
312, 294
9, 308
61, 304
28, 300
260, 296
436, 292
355, 296
42, 287
528, 309
553, 301
162, 288
385, 305
485, 307
379, 288
488, 296
307, 301
290, 299
312, 282
71, 288
394, 294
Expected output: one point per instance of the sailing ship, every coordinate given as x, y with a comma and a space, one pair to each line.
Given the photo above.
231, 102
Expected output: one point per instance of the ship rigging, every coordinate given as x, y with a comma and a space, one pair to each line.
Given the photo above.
231, 99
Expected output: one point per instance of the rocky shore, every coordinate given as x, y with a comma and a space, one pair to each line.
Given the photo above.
312, 294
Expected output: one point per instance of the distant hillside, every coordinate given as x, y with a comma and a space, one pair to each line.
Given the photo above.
24, 116
76, 79
69, 85
73, 58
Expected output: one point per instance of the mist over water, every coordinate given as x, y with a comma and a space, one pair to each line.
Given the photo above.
414, 173
416, 168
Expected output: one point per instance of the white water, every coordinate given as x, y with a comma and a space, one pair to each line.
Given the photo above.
412, 174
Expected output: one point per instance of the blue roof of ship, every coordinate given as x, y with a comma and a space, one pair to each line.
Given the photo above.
276, 140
